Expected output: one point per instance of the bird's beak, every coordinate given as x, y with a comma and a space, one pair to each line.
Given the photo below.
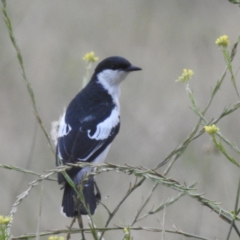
133, 68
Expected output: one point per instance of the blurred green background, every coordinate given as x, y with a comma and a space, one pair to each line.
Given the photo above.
161, 37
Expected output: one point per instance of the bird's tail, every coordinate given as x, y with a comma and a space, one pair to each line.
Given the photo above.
72, 204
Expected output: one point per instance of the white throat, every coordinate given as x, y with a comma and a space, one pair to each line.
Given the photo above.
110, 80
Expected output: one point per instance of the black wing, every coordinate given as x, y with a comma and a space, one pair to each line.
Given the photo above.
82, 144
78, 146
82, 137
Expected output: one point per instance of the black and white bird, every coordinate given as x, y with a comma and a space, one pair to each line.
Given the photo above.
87, 129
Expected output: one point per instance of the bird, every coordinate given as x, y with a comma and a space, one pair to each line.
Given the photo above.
86, 130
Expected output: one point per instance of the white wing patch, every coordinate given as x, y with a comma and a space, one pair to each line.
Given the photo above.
104, 128
64, 128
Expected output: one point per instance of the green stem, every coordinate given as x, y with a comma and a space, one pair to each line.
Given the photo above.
220, 147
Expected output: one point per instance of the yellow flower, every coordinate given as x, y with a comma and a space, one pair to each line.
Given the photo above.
222, 41
125, 230
211, 129
186, 75
90, 57
127, 235
53, 238
56, 238
4, 219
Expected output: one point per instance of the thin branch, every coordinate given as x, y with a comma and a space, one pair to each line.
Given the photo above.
130, 190
156, 177
117, 228
23, 170
24, 195
136, 218
192, 135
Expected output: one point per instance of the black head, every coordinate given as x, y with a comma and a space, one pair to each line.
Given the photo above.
116, 63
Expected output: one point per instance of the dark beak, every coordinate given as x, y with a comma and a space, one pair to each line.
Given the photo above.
132, 68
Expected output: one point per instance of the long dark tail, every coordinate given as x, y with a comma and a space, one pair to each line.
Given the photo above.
72, 205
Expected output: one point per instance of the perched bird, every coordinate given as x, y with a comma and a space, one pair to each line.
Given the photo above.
87, 129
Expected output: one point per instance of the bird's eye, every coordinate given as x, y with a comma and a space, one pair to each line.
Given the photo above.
113, 67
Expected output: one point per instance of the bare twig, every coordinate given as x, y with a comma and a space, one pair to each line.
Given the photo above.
154, 176
116, 228
136, 218
18, 169
24, 195
112, 214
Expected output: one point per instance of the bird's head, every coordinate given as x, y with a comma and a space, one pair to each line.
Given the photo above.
113, 70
